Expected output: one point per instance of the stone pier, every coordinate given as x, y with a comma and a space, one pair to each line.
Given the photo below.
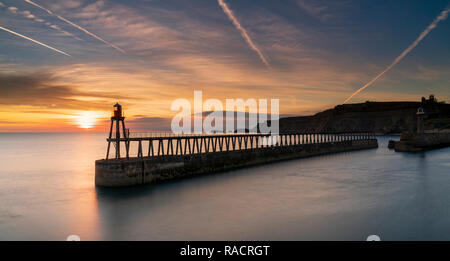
142, 170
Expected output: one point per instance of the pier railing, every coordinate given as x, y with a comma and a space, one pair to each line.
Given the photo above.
159, 144
171, 134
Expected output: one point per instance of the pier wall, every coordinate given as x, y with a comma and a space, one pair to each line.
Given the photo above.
412, 142
134, 171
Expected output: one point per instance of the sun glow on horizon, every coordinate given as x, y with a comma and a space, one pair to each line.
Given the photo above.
88, 119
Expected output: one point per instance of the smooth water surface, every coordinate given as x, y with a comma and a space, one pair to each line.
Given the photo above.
47, 192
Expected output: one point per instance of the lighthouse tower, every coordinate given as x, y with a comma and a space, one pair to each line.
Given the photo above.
116, 119
420, 115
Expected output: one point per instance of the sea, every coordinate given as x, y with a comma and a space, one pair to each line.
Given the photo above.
47, 192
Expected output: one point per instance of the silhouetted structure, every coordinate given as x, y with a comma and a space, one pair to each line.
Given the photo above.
420, 113
171, 156
117, 118
431, 100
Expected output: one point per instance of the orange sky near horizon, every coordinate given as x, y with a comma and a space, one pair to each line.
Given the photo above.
311, 55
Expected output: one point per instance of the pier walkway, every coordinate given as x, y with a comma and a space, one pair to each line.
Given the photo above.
161, 144
142, 158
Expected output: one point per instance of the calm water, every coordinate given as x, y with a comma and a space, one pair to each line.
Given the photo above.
47, 192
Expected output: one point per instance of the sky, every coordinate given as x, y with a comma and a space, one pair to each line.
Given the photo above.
310, 54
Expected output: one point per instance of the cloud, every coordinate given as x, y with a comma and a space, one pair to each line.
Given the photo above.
142, 123
144, 32
183, 52
324, 10
27, 14
76, 26
13, 9
421, 73
66, 4
45, 91
161, 124
312, 8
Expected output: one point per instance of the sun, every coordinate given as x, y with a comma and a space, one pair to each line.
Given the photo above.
87, 119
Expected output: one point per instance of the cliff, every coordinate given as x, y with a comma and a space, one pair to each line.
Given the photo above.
379, 117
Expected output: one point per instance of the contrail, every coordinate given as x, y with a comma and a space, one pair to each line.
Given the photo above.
76, 26
28, 38
244, 33
442, 16
27, 14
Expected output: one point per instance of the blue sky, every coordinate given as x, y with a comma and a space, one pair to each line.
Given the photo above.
318, 53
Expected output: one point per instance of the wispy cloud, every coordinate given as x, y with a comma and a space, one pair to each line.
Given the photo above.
244, 33
27, 14
13, 9
325, 10
76, 26
312, 7
442, 16
46, 91
34, 41
188, 46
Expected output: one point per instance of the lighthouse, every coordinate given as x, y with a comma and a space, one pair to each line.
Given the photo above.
420, 114
116, 119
